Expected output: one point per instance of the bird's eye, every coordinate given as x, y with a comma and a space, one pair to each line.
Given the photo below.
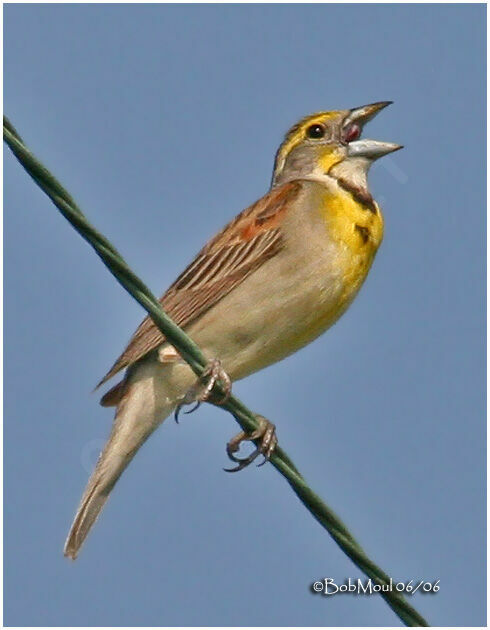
352, 132
315, 131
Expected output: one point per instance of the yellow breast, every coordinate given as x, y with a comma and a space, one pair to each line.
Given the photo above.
341, 261
357, 229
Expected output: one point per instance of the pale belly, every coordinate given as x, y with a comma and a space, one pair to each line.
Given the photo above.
277, 310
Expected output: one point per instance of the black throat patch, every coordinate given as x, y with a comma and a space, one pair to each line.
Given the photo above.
360, 195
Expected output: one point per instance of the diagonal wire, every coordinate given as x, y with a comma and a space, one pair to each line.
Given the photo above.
197, 361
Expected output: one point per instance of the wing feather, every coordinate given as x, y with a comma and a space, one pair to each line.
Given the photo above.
234, 253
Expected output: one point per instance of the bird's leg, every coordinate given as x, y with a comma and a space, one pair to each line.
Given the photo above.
265, 432
202, 390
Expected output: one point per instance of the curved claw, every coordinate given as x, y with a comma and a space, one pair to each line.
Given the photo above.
236, 469
177, 411
243, 462
197, 404
179, 407
233, 458
265, 432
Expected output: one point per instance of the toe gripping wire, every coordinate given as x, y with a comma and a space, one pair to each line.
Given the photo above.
203, 391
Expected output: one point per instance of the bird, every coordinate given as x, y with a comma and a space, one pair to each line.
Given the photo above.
274, 279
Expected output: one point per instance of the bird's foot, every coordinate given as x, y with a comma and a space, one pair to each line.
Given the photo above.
202, 390
265, 432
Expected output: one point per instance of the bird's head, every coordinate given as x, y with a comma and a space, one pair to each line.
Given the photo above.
328, 144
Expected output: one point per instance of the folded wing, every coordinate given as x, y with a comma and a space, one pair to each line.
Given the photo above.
233, 254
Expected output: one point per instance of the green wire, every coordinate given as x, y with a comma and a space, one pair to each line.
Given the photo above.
189, 351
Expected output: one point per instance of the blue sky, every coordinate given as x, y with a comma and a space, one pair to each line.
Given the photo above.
163, 121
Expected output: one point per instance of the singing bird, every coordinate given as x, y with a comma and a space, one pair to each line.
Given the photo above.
275, 278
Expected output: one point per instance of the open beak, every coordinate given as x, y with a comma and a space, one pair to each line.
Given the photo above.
370, 149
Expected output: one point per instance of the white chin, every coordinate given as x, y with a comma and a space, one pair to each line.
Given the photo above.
353, 170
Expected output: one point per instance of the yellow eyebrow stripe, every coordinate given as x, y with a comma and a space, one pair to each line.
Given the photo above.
297, 134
